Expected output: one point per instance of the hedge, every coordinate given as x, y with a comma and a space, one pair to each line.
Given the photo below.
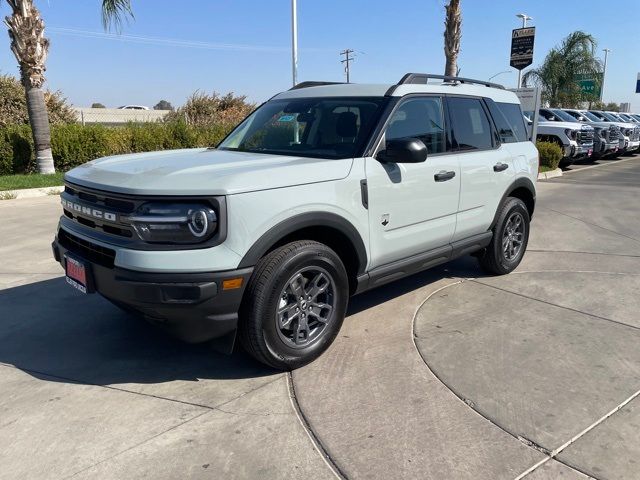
75, 144
550, 154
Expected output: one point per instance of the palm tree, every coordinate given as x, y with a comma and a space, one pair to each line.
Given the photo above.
30, 47
114, 11
561, 67
452, 34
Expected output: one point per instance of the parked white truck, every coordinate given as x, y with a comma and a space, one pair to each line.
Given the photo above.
575, 139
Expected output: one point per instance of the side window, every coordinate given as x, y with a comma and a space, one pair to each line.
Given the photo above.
421, 118
505, 131
471, 127
513, 114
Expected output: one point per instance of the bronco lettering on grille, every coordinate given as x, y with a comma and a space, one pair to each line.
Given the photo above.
91, 212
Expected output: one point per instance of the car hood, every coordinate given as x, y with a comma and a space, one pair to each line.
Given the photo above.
571, 125
203, 172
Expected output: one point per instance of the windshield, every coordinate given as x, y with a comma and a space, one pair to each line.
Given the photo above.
308, 127
591, 116
563, 115
609, 117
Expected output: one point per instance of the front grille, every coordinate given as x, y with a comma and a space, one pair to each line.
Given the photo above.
87, 250
614, 134
635, 136
103, 202
585, 136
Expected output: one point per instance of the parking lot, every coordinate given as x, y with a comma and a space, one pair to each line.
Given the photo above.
446, 374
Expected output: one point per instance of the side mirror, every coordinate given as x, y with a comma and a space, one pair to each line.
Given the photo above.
403, 150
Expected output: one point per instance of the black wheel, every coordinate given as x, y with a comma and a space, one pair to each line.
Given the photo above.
510, 238
294, 304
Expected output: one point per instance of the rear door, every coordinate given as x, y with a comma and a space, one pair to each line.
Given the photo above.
486, 165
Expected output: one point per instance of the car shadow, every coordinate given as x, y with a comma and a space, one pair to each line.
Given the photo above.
51, 331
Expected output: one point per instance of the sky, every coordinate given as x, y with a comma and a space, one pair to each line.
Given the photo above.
173, 48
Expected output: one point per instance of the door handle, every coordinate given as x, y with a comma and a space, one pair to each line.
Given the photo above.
443, 176
500, 167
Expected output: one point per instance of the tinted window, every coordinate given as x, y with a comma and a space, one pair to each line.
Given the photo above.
471, 127
307, 127
420, 118
504, 128
513, 114
563, 116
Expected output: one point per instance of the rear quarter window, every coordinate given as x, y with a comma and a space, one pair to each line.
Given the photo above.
513, 113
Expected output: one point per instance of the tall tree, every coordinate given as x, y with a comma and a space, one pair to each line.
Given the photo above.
452, 35
30, 47
557, 76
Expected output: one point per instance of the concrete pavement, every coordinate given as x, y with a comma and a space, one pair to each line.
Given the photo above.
447, 374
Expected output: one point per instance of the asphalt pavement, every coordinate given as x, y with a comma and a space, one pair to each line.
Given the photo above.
446, 374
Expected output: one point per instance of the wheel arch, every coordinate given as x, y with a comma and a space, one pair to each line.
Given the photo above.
328, 228
523, 189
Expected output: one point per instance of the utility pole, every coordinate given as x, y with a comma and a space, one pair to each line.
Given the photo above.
294, 41
524, 18
604, 71
347, 61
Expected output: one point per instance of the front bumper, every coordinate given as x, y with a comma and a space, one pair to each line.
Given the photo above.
191, 306
580, 151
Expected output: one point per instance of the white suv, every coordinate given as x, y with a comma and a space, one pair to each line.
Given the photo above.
325, 191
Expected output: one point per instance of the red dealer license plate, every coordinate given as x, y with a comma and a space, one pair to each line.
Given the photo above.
77, 274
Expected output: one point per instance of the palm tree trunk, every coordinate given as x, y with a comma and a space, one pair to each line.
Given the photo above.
39, 120
452, 34
30, 47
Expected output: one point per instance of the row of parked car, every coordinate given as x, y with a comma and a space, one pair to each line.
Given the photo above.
591, 134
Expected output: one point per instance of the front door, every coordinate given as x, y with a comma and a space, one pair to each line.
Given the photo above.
413, 207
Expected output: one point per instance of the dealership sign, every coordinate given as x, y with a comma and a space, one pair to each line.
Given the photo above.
522, 40
638, 84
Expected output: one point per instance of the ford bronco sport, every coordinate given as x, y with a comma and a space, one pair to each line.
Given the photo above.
323, 192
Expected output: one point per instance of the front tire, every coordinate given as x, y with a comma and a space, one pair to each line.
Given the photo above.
510, 239
294, 305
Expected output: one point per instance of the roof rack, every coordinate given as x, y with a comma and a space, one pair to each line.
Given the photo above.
313, 84
423, 78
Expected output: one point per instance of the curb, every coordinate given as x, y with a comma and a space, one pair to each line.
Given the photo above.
30, 193
609, 162
552, 174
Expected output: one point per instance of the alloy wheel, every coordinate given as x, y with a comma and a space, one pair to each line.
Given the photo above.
306, 307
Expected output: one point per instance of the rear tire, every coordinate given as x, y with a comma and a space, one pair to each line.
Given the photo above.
510, 239
294, 305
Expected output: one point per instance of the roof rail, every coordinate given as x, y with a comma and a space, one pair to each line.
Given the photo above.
423, 78
313, 84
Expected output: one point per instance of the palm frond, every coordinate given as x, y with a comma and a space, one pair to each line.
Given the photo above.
114, 12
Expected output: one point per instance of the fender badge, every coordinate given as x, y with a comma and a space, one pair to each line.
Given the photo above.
385, 220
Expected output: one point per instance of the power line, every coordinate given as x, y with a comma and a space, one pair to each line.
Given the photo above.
347, 61
170, 42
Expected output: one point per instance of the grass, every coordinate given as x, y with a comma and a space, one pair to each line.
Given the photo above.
34, 180
544, 168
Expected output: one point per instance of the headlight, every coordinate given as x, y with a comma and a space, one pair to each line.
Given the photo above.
573, 134
177, 223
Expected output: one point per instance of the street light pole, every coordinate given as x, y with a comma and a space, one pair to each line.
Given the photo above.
524, 18
294, 41
604, 71
499, 73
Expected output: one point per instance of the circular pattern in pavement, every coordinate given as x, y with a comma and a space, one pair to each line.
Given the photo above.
543, 355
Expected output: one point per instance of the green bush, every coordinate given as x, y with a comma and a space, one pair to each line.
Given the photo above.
75, 144
550, 154
16, 150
